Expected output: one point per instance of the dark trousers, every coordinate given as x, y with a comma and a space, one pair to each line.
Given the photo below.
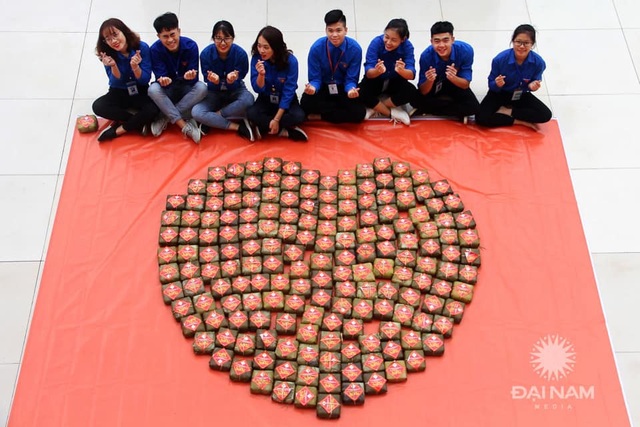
400, 91
117, 103
449, 101
263, 111
528, 109
338, 108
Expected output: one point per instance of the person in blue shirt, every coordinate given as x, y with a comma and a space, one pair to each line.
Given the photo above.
334, 70
224, 65
445, 75
515, 74
389, 65
177, 89
274, 77
127, 62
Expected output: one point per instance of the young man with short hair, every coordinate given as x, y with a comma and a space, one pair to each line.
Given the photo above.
445, 75
334, 71
175, 64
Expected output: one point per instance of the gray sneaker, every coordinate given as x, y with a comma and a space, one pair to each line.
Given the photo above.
191, 130
159, 125
400, 115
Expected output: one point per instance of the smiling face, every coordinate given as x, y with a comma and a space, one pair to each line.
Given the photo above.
442, 44
223, 43
115, 39
336, 33
522, 44
264, 49
170, 39
392, 39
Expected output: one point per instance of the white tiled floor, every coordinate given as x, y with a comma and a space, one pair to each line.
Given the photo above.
592, 51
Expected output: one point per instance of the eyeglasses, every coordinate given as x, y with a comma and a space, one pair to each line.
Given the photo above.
111, 39
226, 40
521, 43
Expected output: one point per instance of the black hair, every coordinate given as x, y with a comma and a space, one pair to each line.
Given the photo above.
225, 28
334, 16
166, 22
274, 37
400, 26
525, 29
441, 27
133, 39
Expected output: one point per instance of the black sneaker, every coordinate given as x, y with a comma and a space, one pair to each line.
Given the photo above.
245, 131
108, 134
297, 134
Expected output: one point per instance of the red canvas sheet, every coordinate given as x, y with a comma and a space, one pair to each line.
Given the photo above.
104, 350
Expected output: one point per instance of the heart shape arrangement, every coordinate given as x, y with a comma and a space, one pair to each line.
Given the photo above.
277, 272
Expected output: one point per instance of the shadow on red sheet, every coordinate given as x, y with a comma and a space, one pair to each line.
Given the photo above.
532, 350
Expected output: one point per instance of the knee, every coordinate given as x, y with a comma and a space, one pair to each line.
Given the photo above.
198, 111
155, 90
98, 107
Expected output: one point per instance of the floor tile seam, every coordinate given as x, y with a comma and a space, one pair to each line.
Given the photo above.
636, 67
608, 168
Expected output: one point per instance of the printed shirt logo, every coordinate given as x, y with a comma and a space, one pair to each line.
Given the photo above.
553, 357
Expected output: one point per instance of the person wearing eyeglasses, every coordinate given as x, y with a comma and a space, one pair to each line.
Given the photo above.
274, 77
334, 63
177, 89
445, 76
127, 62
515, 74
224, 65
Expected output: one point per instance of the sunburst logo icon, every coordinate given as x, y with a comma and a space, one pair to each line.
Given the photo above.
553, 357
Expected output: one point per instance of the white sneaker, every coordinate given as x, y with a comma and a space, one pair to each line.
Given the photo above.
410, 109
400, 115
191, 130
372, 114
159, 125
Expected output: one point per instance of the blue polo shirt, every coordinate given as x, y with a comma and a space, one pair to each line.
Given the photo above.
282, 83
126, 74
516, 76
345, 59
461, 55
174, 65
376, 50
237, 59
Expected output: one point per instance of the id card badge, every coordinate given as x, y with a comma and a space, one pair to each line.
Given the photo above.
132, 88
274, 98
333, 88
438, 86
517, 94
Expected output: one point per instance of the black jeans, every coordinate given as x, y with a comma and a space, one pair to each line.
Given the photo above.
400, 91
528, 109
117, 103
449, 101
338, 108
263, 111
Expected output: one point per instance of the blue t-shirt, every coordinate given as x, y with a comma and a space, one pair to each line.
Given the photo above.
516, 76
376, 50
281, 83
461, 56
174, 65
126, 74
343, 68
237, 59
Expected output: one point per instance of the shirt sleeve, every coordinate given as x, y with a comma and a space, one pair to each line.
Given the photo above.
290, 84
465, 67
191, 56
425, 63
409, 57
241, 63
371, 58
145, 64
314, 61
157, 63
540, 67
495, 72
254, 77
353, 70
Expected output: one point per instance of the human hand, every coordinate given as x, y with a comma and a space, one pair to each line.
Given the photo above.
309, 90
451, 71
135, 60
500, 80
213, 77
354, 93
399, 65
164, 81
260, 67
274, 126
232, 76
107, 60
380, 68
431, 74
191, 74
535, 85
